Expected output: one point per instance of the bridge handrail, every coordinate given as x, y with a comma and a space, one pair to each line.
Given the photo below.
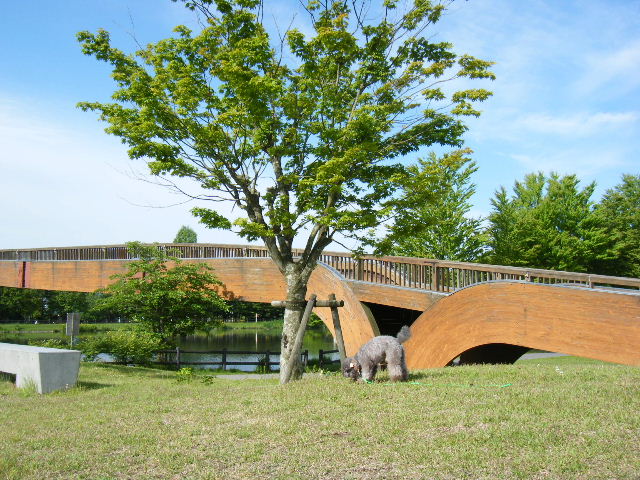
418, 273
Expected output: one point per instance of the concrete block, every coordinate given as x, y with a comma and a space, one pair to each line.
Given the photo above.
48, 369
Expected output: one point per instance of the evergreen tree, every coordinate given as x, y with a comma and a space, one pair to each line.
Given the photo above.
619, 211
433, 220
186, 235
548, 223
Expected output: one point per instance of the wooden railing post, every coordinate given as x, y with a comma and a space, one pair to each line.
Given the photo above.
178, 358
224, 359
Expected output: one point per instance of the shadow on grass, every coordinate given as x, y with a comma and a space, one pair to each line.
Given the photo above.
92, 385
130, 370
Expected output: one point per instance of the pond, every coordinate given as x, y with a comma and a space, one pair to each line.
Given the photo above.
247, 341
261, 337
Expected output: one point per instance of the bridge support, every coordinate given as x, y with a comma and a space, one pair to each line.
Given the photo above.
495, 322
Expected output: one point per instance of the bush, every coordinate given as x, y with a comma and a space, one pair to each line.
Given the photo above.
185, 374
125, 346
51, 343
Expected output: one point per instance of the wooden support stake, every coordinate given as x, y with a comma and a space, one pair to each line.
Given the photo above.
338, 329
319, 303
300, 335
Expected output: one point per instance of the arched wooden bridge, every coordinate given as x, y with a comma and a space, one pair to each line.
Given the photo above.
479, 313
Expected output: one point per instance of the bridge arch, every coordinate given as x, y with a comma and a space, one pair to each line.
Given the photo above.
572, 320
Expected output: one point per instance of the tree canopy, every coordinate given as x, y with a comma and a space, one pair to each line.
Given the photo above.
434, 222
305, 133
163, 294
548, 222
186, 235
619, 212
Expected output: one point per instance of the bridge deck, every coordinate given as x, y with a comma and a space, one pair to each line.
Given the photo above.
518, 306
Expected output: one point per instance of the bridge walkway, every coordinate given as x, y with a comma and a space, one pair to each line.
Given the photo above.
472, 311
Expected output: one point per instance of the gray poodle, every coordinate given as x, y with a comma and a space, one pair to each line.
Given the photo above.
385, 347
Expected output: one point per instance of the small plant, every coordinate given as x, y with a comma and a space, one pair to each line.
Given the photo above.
208, 379
263, 365
29, 388
185, 375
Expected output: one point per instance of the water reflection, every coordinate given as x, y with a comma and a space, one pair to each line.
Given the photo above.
314, 341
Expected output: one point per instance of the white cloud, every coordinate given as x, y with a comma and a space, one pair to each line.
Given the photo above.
577, 124
611, 71
66, 184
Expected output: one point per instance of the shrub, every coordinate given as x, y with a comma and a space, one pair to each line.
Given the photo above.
51, 343
125, 346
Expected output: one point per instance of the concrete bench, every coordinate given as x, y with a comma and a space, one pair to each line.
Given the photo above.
48, 369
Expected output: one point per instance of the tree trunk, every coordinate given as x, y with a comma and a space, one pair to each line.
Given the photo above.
296, 292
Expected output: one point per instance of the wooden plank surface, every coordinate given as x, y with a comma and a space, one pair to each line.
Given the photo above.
583, 322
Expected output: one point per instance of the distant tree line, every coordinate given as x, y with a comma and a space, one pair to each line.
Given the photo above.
47, 306
546, 221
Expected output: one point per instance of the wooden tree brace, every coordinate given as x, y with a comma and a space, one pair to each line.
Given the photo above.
318, 303
310, 304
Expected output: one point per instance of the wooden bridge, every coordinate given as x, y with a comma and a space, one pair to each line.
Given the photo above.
471, 312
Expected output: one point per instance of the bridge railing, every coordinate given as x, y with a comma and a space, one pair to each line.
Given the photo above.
417, 273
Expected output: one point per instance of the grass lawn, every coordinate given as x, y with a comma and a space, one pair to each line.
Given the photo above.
560, 418
266, 327
60, 327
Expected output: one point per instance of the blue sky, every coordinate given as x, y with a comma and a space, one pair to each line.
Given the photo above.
566, 99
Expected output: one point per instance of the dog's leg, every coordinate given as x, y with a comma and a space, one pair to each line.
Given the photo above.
398, 367
369, 372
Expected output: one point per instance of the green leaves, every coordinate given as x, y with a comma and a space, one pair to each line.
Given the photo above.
211, 218
303, 134
430, 219
163, 294
548, 222
619, 211
186, 235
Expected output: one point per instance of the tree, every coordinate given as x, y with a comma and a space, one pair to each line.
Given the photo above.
164, 295
61, 302
619, 211
305, 134
547, 223
186, 235
21, 303
437, 225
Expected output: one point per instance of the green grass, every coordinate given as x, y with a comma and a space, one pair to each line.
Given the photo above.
560, 419
266, 327
28, 332
59, 328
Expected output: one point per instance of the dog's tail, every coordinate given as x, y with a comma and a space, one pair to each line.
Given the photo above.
404, 334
